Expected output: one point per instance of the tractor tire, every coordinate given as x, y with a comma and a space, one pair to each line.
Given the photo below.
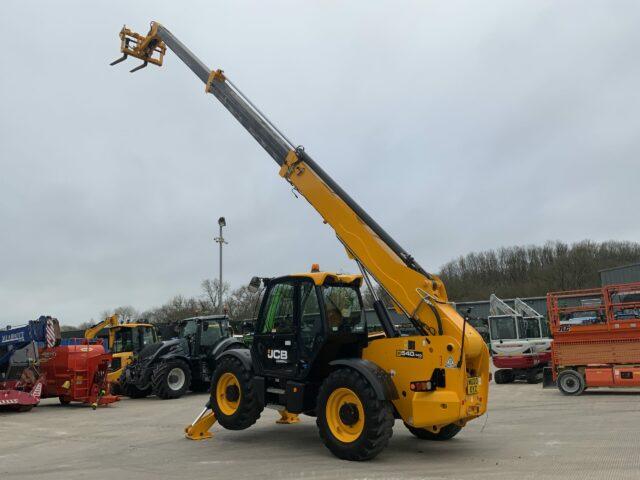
354, 424
504, 376
170, 379
534, 376
446, 433
233, 398
571, 382
132, 391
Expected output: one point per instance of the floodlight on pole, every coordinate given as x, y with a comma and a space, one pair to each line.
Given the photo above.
220, 240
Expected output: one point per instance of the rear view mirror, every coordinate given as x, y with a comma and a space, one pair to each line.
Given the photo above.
254, 284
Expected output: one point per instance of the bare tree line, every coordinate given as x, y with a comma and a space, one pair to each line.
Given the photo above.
528, 271
523, 271
239, 304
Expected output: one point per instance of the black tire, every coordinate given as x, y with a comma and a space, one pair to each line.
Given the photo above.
378, 417
163, 384
115, 389
504, 376
132, 391
445, 433
248, 409
534, 376
571, 382
64, 401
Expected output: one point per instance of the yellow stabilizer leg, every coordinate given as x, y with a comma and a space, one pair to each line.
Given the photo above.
199, 429
287, 418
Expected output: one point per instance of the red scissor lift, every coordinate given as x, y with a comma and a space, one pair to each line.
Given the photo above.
596, 338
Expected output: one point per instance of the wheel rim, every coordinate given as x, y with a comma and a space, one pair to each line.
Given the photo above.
345, 415
176, 378
228, 393
569, 383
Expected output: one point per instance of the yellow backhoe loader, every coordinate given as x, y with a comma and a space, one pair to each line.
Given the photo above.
311, 353
124, 339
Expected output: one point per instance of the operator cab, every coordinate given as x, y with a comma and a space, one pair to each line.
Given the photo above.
503, 327
204, 333
133, 338
307, 320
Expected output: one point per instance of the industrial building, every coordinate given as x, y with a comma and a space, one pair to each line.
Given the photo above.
624, 274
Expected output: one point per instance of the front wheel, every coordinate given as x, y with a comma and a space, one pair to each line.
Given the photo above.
571, 382
445, 433
171, 378
132, 391
354, 424
233, 398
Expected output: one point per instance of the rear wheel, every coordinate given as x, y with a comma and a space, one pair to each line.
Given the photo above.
445, 433
171, 378
64, 400
504, 376
353, 422
233, 398
571, 382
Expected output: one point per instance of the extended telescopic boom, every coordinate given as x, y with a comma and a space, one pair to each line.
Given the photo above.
420, 295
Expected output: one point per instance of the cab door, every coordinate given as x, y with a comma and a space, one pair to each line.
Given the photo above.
275, 349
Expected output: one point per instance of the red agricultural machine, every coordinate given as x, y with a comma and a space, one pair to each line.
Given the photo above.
596, 338
77, 373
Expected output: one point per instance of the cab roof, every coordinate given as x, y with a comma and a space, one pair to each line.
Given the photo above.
320, 278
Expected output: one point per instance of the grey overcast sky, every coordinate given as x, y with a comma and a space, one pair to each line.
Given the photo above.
459, 126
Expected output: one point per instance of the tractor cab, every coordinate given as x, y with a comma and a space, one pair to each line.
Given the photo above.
307, 320
203, 333
131, 337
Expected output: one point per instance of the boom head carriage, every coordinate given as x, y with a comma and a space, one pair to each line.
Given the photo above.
148, 48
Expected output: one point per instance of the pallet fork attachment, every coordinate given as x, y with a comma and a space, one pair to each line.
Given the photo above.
148, 48
199, 429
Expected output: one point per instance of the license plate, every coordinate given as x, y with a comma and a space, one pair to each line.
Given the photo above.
473, 383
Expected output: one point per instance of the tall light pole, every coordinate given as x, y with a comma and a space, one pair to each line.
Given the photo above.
220, 240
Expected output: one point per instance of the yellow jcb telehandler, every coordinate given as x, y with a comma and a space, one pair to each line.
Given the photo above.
311, 353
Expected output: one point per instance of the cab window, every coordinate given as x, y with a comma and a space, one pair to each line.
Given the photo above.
342, 308
123, 341
211, 333
528, 327
188, 328
279, 309
310, 321
503, 328
147, 336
